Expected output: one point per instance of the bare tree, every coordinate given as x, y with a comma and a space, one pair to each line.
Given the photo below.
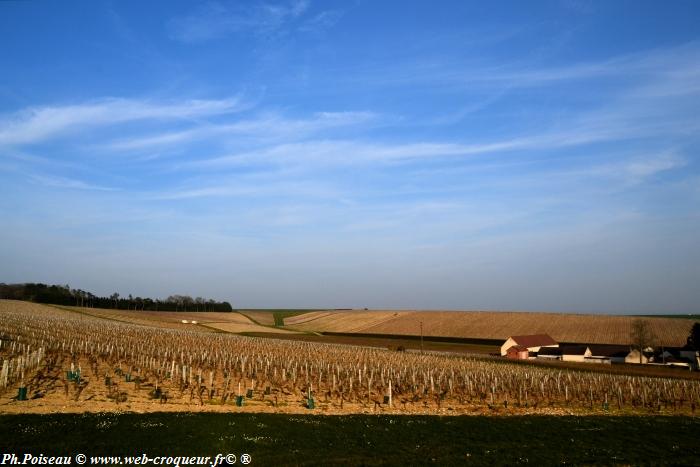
115, 298
641, 335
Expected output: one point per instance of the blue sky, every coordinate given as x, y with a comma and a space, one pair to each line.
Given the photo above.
461, 155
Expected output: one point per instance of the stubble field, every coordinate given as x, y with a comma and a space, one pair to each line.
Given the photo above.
603, 329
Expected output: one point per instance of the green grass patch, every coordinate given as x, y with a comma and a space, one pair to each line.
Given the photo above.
279, 314
280, 439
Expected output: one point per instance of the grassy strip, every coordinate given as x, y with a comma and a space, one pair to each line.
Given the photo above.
278, 314
277, 439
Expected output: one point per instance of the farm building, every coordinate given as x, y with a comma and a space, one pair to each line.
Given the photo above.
532, 343
633, 357
692, 355
517, 352
604, 353
549, 353
676, 362
575, 353
687, 353
675, 356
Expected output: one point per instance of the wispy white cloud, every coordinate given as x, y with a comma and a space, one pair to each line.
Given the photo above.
40, 123
214, 20
321, 21
642, 168
664, 65
327, 152
64, 182
270, 127
250, 188
618, 172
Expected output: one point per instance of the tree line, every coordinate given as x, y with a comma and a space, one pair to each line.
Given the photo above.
64, 295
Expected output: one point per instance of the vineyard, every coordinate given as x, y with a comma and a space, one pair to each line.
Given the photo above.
60, 360
562, 327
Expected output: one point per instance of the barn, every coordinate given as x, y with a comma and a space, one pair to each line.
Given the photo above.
575, 353
605, 353
549, 353
633, 357
532, 343
517, 352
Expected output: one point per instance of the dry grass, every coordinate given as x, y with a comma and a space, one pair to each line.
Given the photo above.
492, 325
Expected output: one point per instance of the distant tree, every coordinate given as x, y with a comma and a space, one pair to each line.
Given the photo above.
175, 300
115, 298
694, 337
642, 336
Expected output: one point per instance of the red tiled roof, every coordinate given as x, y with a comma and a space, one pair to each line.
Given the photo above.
519, 348
535, 340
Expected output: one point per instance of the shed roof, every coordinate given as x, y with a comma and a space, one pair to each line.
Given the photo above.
534, 340
549, 351
573, 349
609, 350
518, 348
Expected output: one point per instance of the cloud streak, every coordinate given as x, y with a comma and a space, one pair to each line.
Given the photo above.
69, 183
665, 70
352, 152
215, 20
41, 123
270, 127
